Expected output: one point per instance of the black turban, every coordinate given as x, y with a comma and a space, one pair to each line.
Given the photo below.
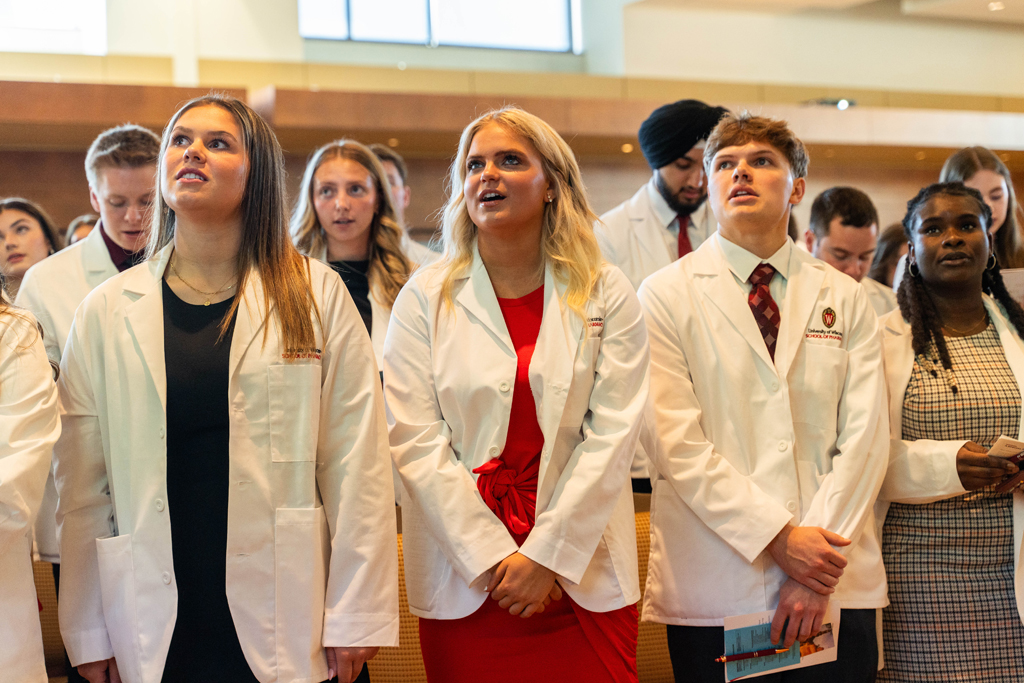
672, 130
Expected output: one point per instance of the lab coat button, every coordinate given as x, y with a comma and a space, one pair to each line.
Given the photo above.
504, 387
166, 576
775, 386
494, 451
791, 506
159, 505
782, 446
162, 432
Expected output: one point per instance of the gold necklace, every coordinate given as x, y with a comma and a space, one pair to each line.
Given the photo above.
196, 289
973, 329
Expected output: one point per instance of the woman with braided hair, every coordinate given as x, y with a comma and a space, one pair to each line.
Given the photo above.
955, 373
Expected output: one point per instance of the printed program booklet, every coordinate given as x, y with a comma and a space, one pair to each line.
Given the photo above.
752, 633
1012, 450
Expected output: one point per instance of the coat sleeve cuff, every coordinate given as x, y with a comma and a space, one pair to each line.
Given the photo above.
489, 553
360, 630
87, 646
562, 558
753, 541
948, 476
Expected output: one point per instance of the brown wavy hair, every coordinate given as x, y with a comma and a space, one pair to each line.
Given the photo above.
389, 266
961, 167
265, 246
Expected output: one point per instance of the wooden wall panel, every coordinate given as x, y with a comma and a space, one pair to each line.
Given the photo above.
54, 180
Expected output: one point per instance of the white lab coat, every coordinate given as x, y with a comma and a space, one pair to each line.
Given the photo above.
744, 446
380, 314
881, 298
311, 546
29, 426
448, 379
924, 471
418, 253
52, 290
634, 235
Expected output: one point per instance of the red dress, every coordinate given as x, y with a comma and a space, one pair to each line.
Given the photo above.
565, 642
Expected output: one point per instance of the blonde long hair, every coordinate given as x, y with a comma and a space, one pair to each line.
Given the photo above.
567, 232
389, 267
265, 246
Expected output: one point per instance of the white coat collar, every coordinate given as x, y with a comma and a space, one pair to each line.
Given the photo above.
806, 276
659, 207
896, 330
477, 296
95, 252
143, 284
648, 225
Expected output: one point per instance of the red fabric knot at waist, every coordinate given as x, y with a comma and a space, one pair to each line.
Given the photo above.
511, 495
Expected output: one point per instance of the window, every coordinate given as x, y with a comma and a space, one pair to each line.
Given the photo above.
55, 26
548, 25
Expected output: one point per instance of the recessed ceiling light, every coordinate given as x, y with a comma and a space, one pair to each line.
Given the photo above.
842, 104
627, 148
995, 6
392, 142
921, 156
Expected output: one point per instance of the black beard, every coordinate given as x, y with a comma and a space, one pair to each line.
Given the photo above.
680, 208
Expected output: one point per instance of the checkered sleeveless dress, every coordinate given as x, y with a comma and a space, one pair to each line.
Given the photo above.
953, 615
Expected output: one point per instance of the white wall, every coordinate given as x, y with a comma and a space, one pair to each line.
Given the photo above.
850, 49
267, 30
260, 30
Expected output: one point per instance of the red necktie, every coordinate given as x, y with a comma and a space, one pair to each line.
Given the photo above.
763, 306
684, 238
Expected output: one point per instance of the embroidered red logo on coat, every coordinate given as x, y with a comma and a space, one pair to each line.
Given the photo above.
828, 317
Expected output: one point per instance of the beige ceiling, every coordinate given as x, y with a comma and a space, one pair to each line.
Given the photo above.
1012, 11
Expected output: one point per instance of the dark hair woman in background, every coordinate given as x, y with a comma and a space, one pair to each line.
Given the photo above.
27, 237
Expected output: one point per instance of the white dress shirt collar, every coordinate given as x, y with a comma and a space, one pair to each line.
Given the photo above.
742, 262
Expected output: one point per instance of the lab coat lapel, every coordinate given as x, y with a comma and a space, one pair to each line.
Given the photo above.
729, 297
648, 228
1012, 348
899, 363
96, 257
249, 320
145, 316
1014, 353
802, 292
551, 370
478, 298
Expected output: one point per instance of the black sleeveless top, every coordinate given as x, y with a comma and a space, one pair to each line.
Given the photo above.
204, 645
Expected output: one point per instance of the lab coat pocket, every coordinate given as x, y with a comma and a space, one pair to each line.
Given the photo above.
294, 411
821, 377
117, 591
301, 553
426, 567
